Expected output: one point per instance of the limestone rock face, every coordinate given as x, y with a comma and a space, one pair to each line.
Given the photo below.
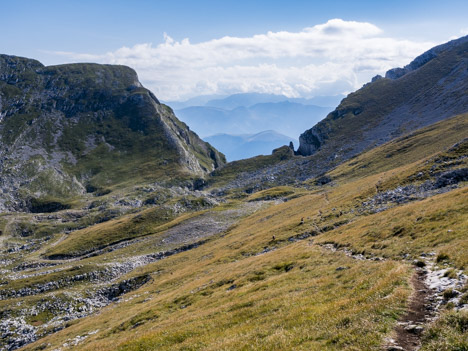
68, 128
431, 88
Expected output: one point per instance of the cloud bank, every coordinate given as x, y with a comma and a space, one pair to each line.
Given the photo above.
326, 59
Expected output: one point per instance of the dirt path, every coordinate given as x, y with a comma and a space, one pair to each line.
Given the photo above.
428, 284
410, 326
421, 308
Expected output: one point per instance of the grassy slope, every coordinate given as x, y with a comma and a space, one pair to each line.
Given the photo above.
100, 235
405, 150
293, 297
289, 298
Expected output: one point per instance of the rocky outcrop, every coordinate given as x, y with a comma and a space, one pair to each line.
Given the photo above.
68, 128
431, 88
311, 141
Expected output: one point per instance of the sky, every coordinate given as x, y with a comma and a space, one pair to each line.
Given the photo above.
183, 49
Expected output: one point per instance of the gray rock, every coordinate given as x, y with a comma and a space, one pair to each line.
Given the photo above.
394, 348
414, 329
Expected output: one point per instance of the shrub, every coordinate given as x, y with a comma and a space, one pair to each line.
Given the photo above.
442, 257
419, 263
449, 293
451, 273
285, 266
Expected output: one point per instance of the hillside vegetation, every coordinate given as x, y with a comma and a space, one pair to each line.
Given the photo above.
304, 267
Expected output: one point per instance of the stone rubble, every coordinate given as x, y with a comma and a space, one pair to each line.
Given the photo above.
438, 281
16, 332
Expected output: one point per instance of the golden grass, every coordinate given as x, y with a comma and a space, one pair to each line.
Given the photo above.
147, 222
229, 294
275, 193
405, 150
292, 298
439, 224
310, 306
448, 333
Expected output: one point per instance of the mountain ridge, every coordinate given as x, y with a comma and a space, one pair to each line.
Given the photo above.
229, 102
433, 89
424, 58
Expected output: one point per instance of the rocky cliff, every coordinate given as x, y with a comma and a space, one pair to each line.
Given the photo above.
70, 129
432, 87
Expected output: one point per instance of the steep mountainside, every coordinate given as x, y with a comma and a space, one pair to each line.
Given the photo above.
431, 88
70, 129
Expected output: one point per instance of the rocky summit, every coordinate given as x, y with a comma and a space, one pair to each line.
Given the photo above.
70, 129
431, 88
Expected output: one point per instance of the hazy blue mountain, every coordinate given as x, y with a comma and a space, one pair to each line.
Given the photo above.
288, 117
248, 99
250, 113
237, 147
320, 100
230, 102
244, 100
195, 101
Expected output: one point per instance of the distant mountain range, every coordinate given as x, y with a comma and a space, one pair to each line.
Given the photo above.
226, 121
288, 117
229, 102
236, 147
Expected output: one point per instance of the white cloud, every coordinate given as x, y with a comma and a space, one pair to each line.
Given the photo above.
463, 32
331, 58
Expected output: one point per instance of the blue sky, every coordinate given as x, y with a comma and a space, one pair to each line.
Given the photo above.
149, 36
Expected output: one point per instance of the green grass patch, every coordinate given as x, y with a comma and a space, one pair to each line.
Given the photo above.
448, 333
